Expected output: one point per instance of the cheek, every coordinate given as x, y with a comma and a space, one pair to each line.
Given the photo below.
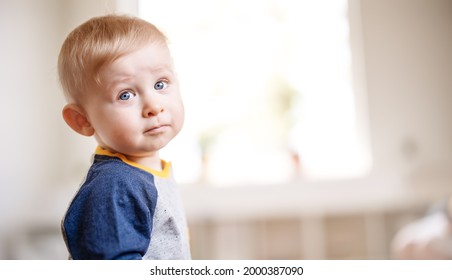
109, 122
179, 114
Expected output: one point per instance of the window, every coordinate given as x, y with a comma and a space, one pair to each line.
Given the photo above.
269, 87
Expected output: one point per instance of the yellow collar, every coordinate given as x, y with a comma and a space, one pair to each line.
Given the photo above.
164, 173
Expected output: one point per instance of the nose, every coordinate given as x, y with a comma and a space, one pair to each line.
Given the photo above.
152, 105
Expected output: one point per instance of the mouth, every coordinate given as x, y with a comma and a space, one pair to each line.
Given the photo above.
157, 129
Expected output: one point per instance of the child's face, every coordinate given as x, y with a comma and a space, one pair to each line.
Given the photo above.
138, 110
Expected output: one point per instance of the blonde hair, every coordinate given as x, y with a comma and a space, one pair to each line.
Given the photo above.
97, 42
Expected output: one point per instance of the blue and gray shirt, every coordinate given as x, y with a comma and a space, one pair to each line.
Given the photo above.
124, 210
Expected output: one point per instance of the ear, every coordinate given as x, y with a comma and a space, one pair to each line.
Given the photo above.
76, 118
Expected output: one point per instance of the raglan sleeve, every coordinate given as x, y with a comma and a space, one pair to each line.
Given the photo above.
110, 218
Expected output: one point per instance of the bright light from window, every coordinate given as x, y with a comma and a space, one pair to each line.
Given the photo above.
268, 90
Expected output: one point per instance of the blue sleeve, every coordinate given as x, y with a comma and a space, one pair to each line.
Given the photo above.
110, 218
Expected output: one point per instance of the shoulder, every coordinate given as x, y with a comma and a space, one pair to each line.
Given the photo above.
113, 173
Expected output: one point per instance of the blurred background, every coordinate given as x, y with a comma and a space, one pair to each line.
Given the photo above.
314, 129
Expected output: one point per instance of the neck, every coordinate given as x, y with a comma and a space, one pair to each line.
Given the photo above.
150, 161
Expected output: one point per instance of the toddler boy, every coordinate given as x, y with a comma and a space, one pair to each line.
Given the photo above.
121, 87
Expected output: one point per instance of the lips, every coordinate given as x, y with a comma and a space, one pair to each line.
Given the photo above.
157, 129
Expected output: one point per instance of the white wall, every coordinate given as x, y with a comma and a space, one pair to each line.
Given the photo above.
30, 105
408, 53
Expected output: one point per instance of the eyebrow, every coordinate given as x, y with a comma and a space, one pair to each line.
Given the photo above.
158, 70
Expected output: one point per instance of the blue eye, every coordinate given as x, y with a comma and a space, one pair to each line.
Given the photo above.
126, 95
160, 85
